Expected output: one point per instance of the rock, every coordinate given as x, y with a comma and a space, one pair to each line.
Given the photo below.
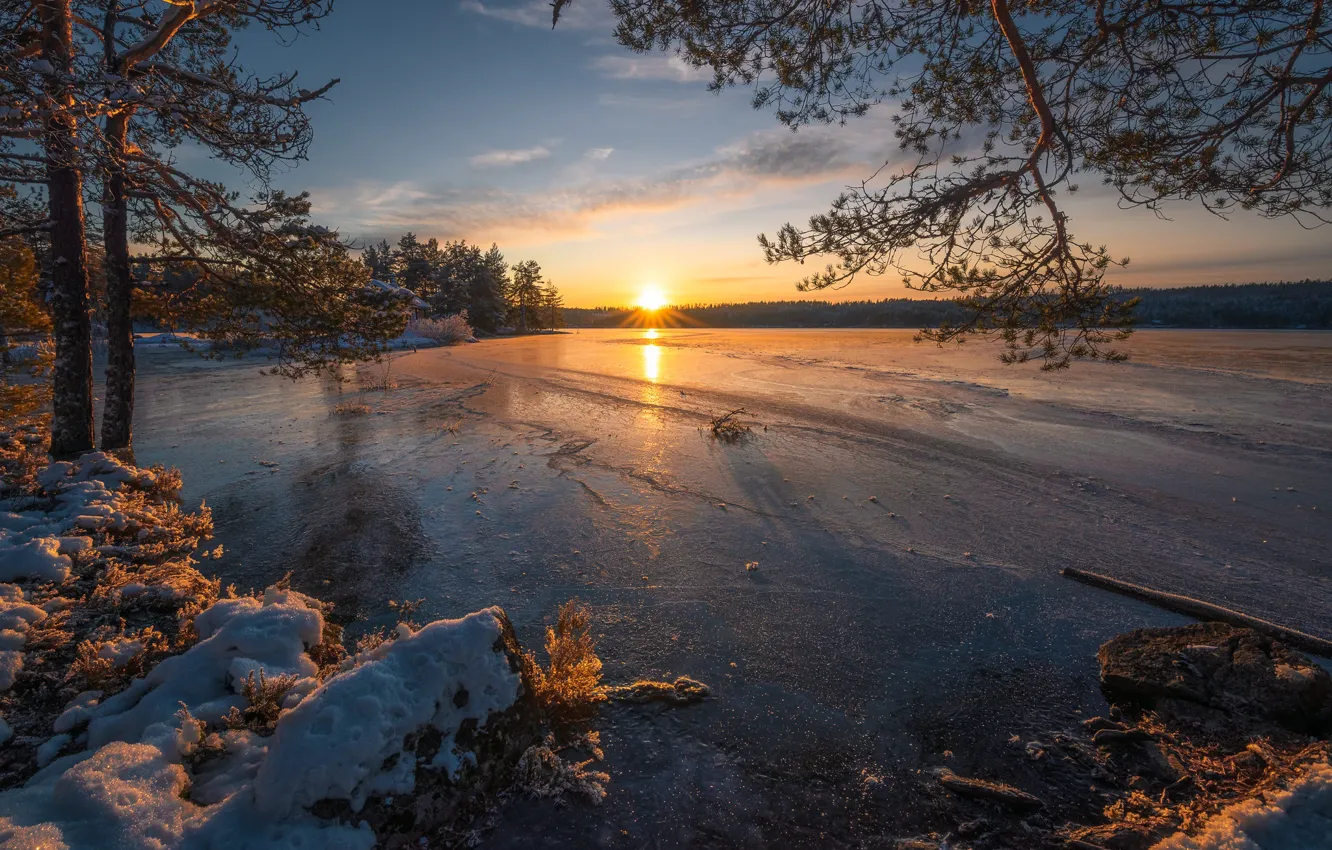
1162, 765
1236, 670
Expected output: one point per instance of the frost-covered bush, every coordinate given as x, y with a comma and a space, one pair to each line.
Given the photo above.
449, 330
570, 687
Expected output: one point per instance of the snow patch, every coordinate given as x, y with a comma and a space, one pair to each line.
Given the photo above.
33, 543
1297, 819
336, 742
130, 788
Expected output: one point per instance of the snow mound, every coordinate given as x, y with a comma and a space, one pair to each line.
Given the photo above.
137, 783
1297, 819
335, 744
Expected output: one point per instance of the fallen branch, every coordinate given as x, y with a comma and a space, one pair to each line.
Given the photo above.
994, 791
728, 426
1204, 611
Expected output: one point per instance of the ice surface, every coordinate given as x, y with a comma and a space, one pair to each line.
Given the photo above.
868, 640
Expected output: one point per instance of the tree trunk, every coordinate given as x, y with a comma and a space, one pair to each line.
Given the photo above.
72, 374
118, 405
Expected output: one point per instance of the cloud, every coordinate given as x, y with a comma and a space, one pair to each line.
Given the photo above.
578, 15
670, 68
619, 101
599, 153
491, 159
784, 154
737, 173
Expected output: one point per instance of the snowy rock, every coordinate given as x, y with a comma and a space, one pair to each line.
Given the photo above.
412, 740
86, 496
1235, 670
78, 711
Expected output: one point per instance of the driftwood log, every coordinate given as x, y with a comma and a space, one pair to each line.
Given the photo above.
1205, 611
984, 789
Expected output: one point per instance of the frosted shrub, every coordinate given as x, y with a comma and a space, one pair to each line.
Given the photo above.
449, 330
571, 687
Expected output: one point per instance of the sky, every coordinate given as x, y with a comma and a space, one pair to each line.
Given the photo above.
620, 172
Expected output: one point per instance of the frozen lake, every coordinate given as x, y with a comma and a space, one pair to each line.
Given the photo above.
877, 638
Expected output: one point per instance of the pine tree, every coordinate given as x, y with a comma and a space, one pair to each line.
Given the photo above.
552, 307
379, 259
487, 306
525, 295
99, 110
411, 268
23, 321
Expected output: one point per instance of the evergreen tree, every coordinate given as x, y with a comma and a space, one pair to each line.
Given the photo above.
552, 307
486, 303
23, 320
411, 268
379, 259
525, 293
458, 265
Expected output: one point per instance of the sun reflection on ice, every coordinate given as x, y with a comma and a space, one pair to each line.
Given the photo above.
652, 360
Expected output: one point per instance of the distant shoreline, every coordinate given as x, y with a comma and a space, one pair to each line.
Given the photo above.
1304, 305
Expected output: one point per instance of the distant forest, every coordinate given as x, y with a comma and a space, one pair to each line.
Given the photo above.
1306, 304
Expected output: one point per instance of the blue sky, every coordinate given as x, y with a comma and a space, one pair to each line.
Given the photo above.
619, 172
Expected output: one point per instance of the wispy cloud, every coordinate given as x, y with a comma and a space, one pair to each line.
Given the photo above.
621, 101
579, 15
492, 159
599, 153
736, 173
671, 68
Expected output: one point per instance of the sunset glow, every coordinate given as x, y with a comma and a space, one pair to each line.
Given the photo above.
652, 299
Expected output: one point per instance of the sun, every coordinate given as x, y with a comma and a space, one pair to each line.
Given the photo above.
651, 299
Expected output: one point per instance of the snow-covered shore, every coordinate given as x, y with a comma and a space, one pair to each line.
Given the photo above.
220, 719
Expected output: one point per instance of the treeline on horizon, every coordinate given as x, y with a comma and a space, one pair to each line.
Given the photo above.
1302, 304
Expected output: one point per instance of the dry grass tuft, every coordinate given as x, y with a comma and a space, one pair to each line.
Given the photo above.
543, 773
1211, 777
348, 408
265, 697
571, 687
729, 428
683, 691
